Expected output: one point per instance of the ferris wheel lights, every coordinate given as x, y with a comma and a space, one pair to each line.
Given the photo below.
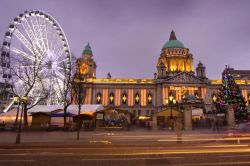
8, 34
16, 19
3, 54
6, 43
36, 43
42, 15
21, 18
31, 13
12, 26
46, 17
4, 65
7, 76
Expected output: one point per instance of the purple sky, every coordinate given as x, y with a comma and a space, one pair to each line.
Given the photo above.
126, 36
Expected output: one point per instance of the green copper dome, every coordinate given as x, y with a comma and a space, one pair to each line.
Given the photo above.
173, 42
87, 50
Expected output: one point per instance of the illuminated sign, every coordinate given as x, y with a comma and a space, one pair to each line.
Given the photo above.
182, 88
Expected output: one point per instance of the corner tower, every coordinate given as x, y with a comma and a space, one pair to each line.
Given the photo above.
174, 58
86, 65
201, 70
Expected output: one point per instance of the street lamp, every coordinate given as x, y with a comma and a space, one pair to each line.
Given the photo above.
23, 103
171, 102
214, 98
16, 102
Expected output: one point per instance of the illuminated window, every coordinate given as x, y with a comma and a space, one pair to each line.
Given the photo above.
124, 98
111, 98
83, 68
150, 98
137, 98
99, 98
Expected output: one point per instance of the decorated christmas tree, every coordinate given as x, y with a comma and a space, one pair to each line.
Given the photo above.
230, 94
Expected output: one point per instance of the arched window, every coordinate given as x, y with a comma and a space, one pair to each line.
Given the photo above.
111, 98
137, 98
99, 98
124, 98
150, 98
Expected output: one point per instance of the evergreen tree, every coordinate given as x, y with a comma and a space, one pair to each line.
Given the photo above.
230, 94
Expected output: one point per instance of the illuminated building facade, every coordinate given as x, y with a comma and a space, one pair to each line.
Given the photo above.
176, 76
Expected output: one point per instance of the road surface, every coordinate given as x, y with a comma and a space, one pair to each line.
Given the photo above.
122, 148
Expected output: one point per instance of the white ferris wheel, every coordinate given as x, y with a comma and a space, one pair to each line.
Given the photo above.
35, 58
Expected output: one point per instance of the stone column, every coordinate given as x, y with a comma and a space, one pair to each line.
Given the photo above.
159, 95
154, 121
188, 118
230, 117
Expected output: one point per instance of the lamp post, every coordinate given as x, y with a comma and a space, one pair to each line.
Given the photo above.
214, 98
171, 102
23, 103
79, 78
16, 102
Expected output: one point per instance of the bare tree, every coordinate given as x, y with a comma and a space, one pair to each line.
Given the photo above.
26, 75
65, 90
79, 93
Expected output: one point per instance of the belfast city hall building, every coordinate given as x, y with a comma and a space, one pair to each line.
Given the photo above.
176, 79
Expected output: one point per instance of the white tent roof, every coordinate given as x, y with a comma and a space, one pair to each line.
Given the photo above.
45, 108
12, 112
73, 109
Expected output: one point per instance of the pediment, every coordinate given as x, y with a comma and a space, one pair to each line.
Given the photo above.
184, 77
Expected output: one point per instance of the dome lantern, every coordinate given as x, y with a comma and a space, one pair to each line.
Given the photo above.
173, 42
87, 50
